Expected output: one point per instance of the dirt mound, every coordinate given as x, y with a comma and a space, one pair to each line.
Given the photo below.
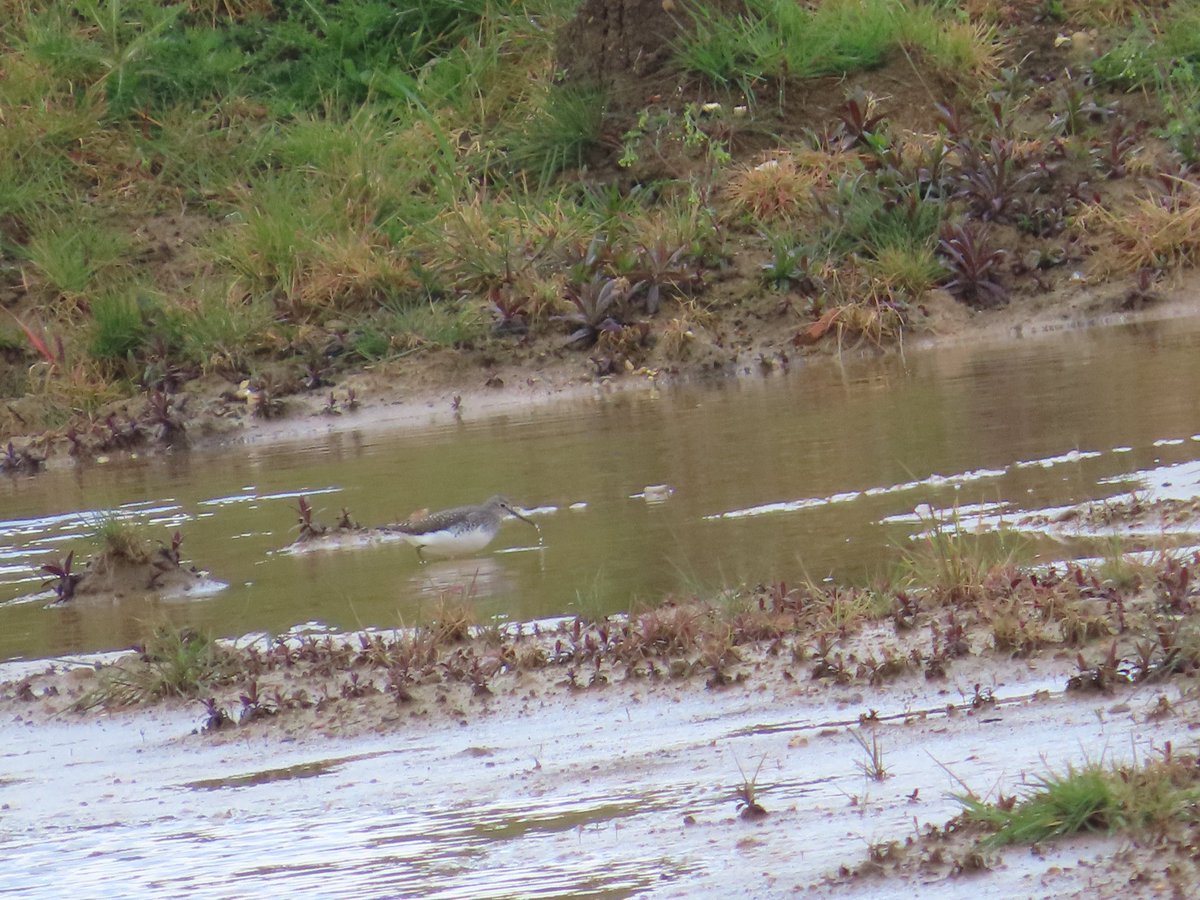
126, 567
617, 44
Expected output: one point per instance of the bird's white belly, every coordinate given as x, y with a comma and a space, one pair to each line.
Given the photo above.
450, 543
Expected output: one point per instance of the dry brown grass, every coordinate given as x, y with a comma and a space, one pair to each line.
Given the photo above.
452, 621
490, 241
669, 630
121, 541
778, 189
873, 320
972, 51
1152, 232
1104, 12
987, 10
864, 307
677, 338
351, 270
541, 292
80, 387
235, 10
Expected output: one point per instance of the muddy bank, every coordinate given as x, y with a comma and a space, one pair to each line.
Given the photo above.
127, 565
611, 790
451, 386
455, 385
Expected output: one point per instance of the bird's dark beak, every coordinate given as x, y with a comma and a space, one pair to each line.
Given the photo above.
513, 512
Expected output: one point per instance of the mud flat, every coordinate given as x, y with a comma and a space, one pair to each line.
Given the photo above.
489, 771
610, 791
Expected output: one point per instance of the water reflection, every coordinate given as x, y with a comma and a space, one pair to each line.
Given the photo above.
461, 579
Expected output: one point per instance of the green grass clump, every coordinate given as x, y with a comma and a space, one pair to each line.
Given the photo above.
1162, 54
1157, 52
912, 269
784, 39
1122, 569
275, 164
871, 220
403, 329
474, 246
71, 258
172, 663
313, 245
223, 331
119, 325
558, 135
1079, 800
120, 538
308, 53
439, 324
293, 55
1092, 798
955, 564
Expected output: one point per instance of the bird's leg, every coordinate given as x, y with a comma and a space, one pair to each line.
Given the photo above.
421, 556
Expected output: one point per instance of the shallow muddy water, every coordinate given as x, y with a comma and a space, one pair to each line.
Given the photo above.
816, 472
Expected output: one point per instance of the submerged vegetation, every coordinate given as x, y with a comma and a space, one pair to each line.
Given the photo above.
277, 193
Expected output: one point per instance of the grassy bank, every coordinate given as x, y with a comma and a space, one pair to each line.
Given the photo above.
280, 193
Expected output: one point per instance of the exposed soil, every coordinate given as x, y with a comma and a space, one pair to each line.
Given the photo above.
536, 793
618, 45
1122, 517
113, 575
